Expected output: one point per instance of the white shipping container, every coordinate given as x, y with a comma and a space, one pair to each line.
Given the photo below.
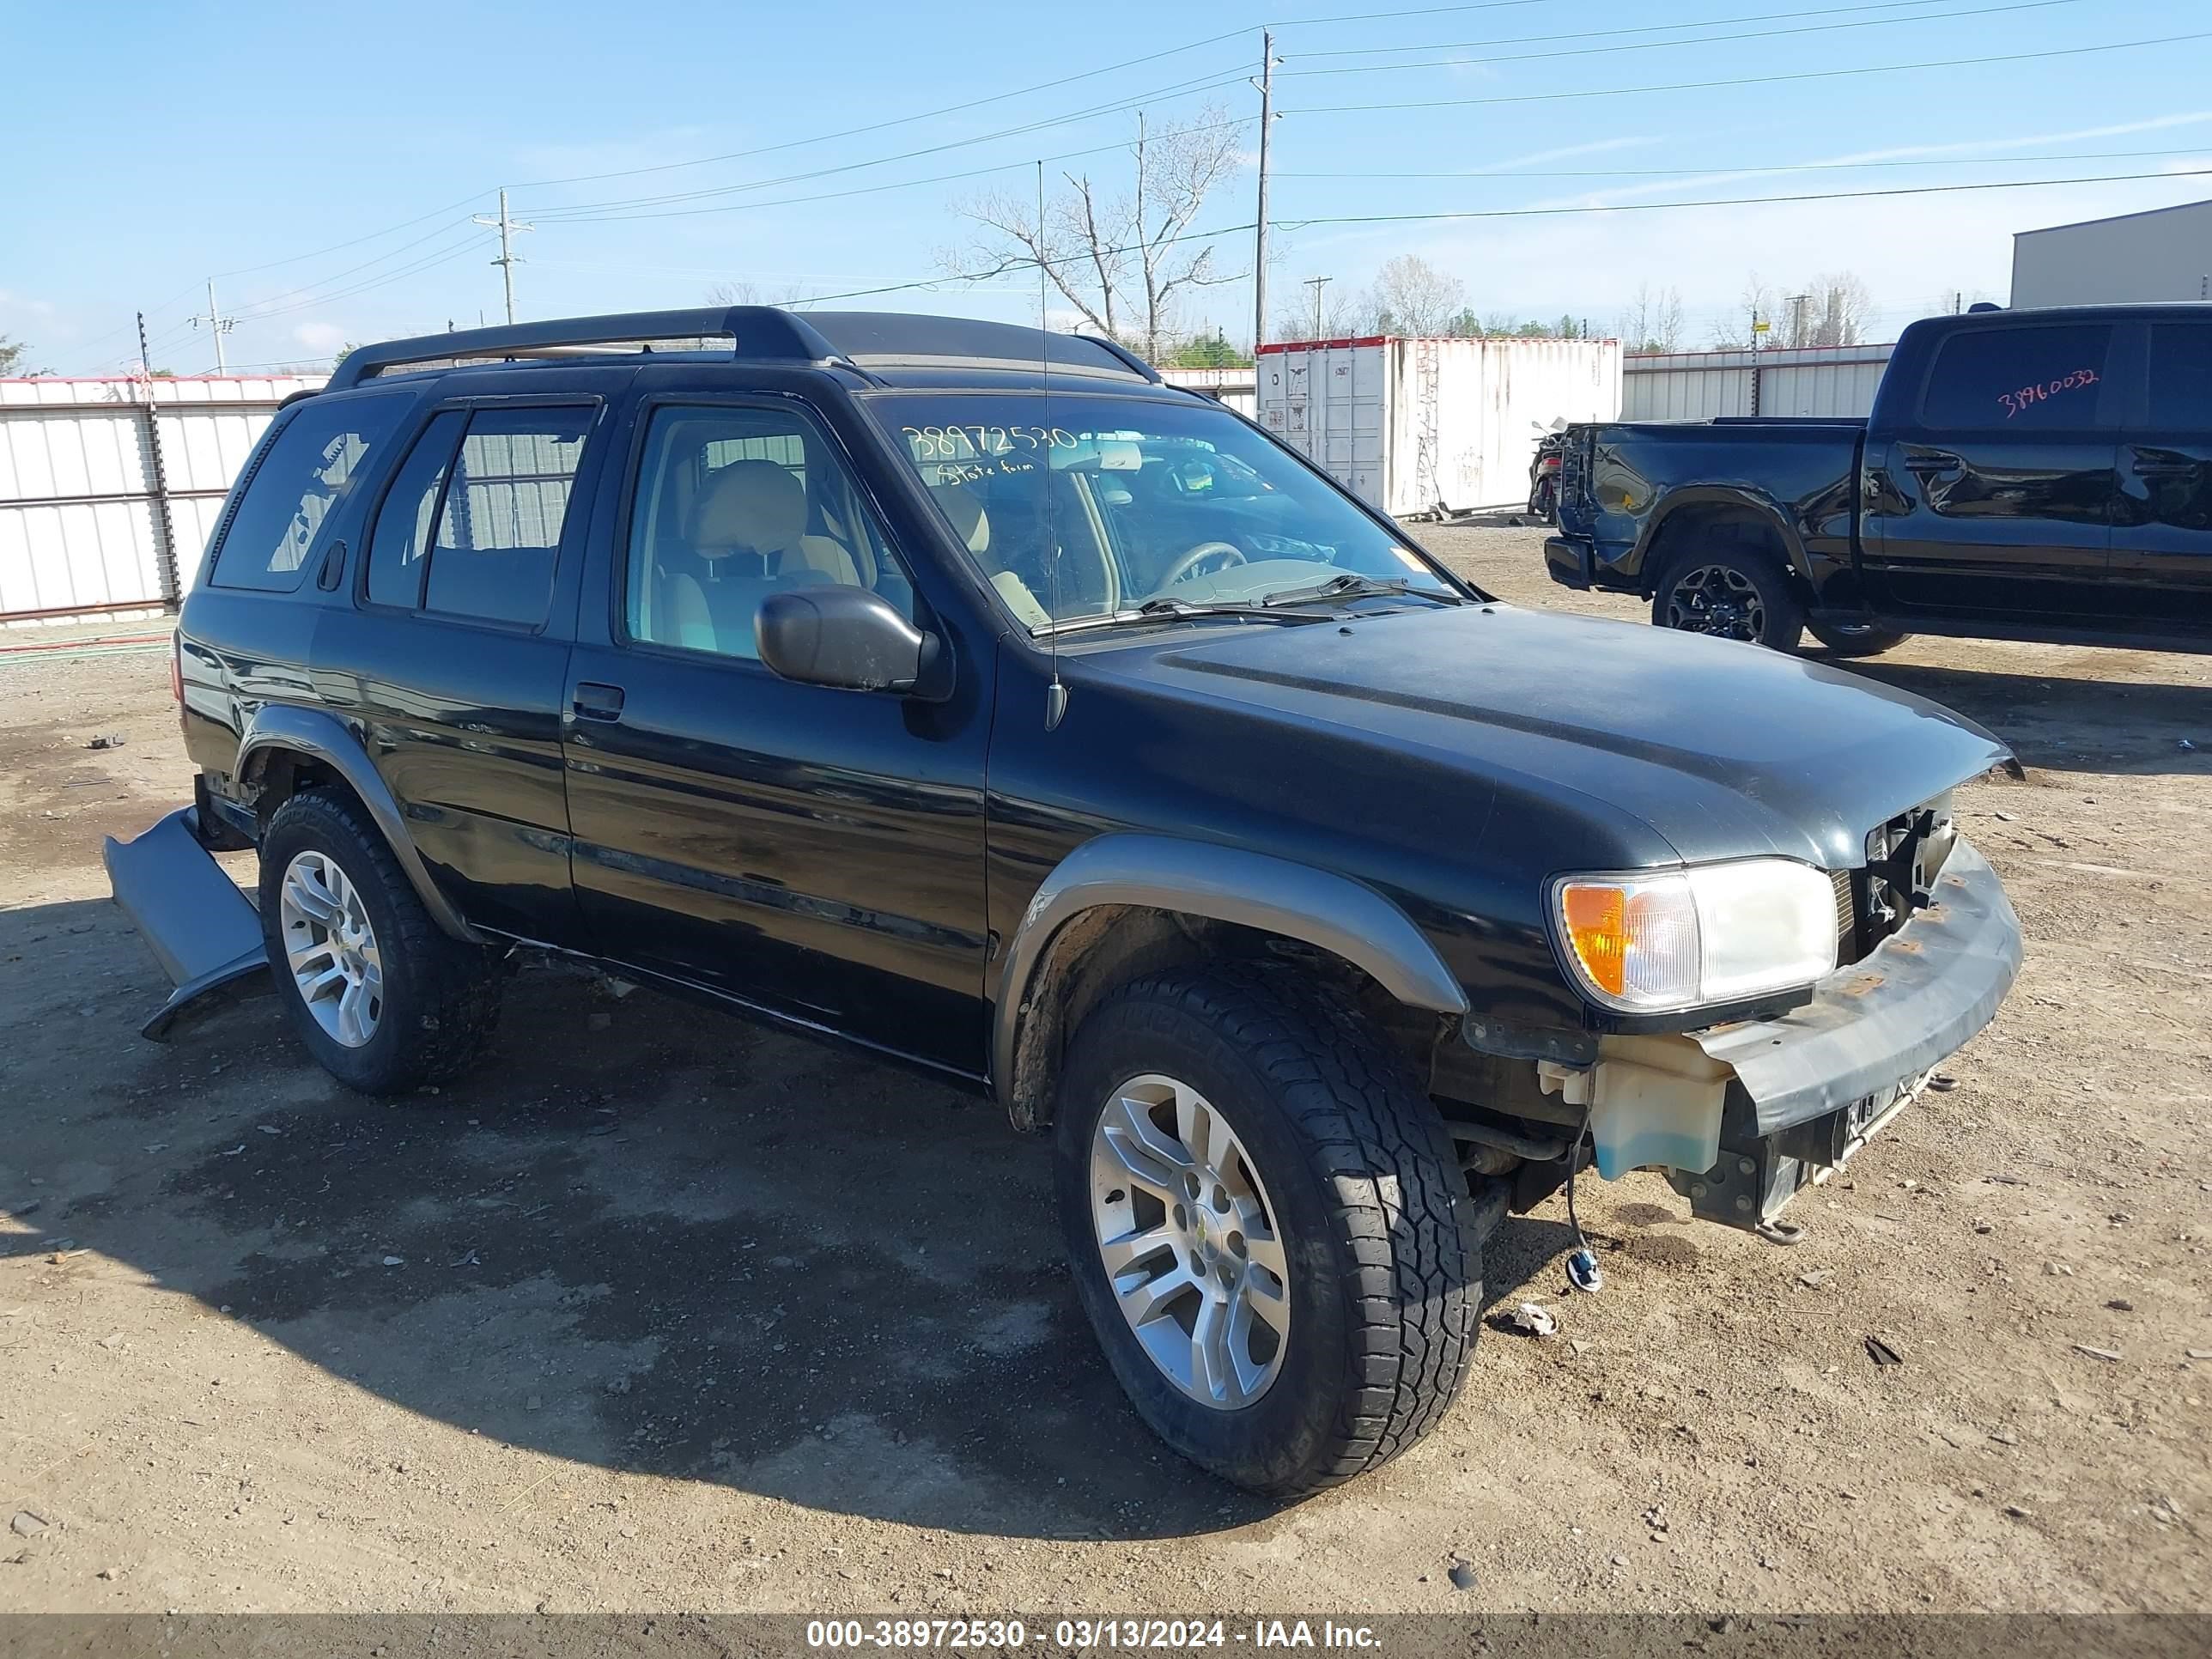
1413, 426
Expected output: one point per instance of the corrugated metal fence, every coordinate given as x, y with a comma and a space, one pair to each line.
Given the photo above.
1697, 385
109, 489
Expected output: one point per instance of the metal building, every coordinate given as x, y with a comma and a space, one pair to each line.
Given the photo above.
110, 487
2165, 254
1414, 426
1826, 381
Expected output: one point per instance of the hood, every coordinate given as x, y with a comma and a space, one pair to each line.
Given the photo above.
1722, 749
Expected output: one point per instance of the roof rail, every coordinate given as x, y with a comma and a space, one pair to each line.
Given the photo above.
755, 332
1113, 346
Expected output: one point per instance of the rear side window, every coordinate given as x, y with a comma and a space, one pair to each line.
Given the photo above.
2181, 377
300, 480
2025, 380
399, 551
471, 527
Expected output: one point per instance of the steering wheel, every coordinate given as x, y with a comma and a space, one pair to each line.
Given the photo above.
1227, 556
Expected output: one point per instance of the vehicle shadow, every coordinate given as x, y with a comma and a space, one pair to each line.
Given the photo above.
641, 1236
2065, 722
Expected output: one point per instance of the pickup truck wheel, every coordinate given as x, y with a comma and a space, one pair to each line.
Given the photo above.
1731, 591
1262, 1220
383, 999
1856, 639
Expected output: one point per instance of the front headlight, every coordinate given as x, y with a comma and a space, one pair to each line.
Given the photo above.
1686, 938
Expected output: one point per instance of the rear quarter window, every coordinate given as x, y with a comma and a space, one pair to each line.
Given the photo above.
2020, 379
303, 476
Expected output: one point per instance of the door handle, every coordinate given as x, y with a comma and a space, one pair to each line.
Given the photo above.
1936, 461
595, 702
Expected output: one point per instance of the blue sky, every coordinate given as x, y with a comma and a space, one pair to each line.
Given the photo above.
151, 148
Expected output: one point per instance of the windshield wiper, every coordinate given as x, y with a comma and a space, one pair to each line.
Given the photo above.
1352, 586
1162, 610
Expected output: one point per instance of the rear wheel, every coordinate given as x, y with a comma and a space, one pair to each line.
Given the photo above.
1856, 639
382, 998
1728, 588
1263, 1222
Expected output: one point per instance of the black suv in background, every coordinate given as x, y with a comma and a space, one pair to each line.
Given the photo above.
960, 691
2033, 475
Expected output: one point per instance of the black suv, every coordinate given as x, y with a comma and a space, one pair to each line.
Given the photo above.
960, 691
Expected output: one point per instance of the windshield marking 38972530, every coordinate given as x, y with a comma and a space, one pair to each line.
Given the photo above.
1100, 509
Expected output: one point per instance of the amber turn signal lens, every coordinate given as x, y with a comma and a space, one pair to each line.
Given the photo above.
1597, 928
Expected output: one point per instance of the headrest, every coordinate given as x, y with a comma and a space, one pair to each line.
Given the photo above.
755, 505
965, 510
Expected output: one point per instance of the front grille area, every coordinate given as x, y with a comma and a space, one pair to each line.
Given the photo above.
1904, 857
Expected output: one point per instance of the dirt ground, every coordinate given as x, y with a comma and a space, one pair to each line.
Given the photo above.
660, 1310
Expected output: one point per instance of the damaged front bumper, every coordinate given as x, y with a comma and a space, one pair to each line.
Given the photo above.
203, 931
1742, 1116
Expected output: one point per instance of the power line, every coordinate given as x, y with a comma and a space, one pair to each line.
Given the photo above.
1795, 167
1010, 266
1749, 80
895, 121
1645, 28
617, 207
1735, 201
1693, 40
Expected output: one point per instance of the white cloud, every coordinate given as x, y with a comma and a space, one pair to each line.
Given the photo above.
320, 337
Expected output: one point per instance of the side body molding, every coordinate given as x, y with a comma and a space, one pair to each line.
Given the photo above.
1333, 913
325, 738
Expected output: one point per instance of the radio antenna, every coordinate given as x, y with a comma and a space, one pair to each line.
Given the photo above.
1055, 695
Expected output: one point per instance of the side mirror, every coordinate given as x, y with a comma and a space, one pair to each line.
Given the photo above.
847, 637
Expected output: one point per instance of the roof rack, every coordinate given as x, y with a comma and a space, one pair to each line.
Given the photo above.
755, 332
848, 339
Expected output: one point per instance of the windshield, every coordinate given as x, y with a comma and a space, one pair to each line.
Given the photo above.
1140, 501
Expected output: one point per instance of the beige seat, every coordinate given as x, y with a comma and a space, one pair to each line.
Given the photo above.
963, 510
758, 507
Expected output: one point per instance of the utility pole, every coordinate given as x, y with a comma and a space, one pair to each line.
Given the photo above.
1266, 85
508, 259
1317, 283
1798, 304
218, 326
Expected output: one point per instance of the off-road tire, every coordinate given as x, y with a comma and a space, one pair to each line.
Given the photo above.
441, 995
1733, 547
1386, 1278
1861, 642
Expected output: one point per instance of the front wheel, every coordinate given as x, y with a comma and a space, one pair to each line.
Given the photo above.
1263, 1221
1729, 590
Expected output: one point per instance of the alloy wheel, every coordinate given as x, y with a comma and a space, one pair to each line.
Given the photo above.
1190, 1242
1717, 600
331, 949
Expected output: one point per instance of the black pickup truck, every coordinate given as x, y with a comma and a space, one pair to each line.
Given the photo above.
2033, 475
962, 692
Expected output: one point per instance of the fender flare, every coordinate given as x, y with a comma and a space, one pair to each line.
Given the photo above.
1755, 502
325, 737
1333, 913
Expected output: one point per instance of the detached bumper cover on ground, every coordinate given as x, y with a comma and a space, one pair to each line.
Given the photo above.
205, 934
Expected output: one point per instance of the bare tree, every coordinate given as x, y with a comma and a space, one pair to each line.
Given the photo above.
790, 296
12, 352
1832, 309
1840, 312
1119, 257
1411, 297
1653, 320
1342, 312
